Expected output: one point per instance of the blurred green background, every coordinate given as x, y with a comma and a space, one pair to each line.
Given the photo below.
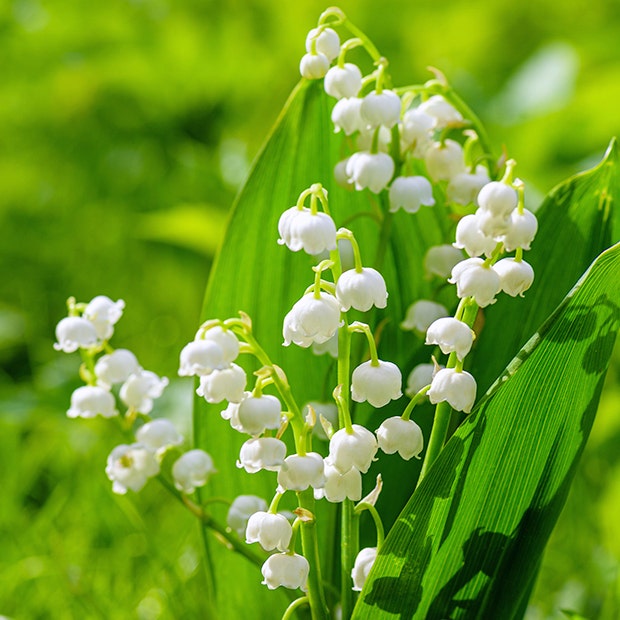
126, 128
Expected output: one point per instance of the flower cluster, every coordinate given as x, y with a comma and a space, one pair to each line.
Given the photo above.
113, 375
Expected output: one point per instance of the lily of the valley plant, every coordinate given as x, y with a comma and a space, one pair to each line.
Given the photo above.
369, 253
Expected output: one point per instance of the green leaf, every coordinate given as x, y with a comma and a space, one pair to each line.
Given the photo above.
470, 539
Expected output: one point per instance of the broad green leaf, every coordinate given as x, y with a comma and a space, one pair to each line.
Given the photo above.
469, 541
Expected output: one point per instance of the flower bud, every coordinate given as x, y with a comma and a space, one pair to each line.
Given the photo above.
191, 470
355, 449
73, 333
444, 160
516, 277
257, 413
89, 401
262, 453
141, 388
225, 384
409, 193
242, 508
116, 367
402, 436
300, 229
361, 289
288, 570
498, 198
457, 388
270, 530
327, 42
300, 472
451, 335
377, 384
313, 66
371, 170
158, 435
443, 112
312, 319
474, 279
104, 313
420, 377
346, 115
440, 259
363, 563
421, 314
381, 109
200, 357
470, 238
520, 231
341, 82
130, 467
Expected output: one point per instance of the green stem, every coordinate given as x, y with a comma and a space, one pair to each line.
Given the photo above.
290, 610
376, 518
350, 544
443, 412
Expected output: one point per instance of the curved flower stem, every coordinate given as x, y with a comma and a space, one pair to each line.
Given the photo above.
290, 610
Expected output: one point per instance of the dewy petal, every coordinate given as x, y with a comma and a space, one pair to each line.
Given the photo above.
361, 289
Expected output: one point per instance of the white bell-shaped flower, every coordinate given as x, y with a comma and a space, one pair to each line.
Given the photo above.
419, 377
457, 388
361, 567
381, 109
141, 388
200, 357
464, 187
73, 333
225, 384
410, 193
498, 198
104, 313
443, 112
377, 384
116, 367
313, 66
356, 449
361, 289
262, 453
416, 132
231, 413
312, 319
521, 230
300, 229
421, 314
89, 401
340, 174
470, 238
130, 467
345, 81
225, 339
474, 279
402, 436
241, 509
370, 170
327, 42
492, 225
329, 411
444, 160
516, 277
440, 259
287, 570
451, 335
340, 486
271, 531
257, 413
300, 472
192, 470
346, 115
158, 435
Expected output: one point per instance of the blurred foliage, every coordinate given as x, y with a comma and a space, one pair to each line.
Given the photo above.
127, 127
